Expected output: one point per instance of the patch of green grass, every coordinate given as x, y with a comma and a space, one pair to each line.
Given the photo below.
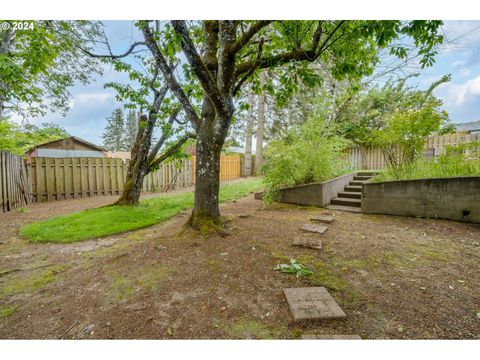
19, 284
121, 288
243, 328
331, 274
6, 311
100, 222
148, 278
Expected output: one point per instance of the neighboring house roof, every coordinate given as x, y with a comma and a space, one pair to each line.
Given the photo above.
86, 143
468, 127
124, 155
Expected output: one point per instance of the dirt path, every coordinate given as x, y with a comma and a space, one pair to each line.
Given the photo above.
394, 277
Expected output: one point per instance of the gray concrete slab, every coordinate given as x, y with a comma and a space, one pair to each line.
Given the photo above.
328, 219
308, 243
312, 303
314, 228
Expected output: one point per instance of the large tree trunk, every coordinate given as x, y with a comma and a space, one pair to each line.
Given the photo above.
207, 171
260, 125
247, 165
138, 166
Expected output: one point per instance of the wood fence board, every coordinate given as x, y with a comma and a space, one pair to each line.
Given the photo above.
63, 178
14, 188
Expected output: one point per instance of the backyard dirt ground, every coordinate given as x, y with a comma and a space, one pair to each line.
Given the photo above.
394, 277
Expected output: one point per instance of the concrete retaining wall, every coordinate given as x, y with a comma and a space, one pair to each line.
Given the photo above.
455, 198
316, 194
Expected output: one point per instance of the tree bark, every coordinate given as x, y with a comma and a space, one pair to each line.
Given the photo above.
207, 171
260, 125
247, 166
138, 166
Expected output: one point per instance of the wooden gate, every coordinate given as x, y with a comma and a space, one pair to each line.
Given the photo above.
14, 185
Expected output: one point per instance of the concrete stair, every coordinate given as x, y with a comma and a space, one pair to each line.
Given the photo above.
351, 198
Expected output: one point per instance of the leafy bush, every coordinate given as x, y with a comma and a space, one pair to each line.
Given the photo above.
308, 153
403, 138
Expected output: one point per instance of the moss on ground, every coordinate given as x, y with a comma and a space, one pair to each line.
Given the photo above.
6, 311
111, 250
148, 278
213, 265
21, 284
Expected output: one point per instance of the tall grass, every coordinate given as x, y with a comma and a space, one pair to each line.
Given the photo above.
442, 167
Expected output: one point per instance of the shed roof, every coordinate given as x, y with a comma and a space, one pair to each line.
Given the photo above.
470, 126
85, 142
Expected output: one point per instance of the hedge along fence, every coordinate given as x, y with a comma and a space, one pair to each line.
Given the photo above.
371, 158
14, 185
65, 178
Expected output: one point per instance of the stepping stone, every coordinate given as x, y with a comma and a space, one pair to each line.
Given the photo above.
314, 228
323, 218
331, 337
312, 303
309, 243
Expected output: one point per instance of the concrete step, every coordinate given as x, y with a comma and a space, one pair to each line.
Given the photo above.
346, 202
356, 183
362, 178
350, 194
367, 173
350, 188
344, 208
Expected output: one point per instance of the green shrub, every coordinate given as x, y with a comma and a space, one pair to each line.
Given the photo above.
450, 164
308, 153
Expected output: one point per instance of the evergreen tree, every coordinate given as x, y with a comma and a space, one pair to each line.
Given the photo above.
130, 130
113, 134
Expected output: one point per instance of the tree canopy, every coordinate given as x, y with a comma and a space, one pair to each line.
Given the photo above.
19, 138
39, 64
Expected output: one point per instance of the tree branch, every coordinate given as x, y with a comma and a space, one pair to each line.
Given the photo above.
170, 79
249, 34
170, 151
310, 54
159, 96
154, 151
204, 76
252, 69
322, 47
112, 56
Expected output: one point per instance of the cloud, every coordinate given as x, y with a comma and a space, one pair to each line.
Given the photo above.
93, 98
462, 36
464, 72
461, 94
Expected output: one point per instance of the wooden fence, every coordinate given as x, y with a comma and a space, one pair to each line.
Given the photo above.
440, 142
371, 158
365, 157
230, 167
66, 178
14, 185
